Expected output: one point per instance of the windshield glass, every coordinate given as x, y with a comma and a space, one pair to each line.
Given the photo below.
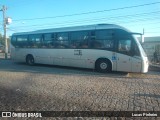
140, 46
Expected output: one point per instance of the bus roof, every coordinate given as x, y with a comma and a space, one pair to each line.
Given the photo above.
75, 28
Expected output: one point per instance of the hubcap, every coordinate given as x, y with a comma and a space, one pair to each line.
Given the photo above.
30, 61
103, 65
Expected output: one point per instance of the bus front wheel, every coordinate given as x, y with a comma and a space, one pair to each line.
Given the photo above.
30, 60
103, 65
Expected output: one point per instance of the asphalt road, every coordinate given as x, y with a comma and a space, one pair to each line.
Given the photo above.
54, 88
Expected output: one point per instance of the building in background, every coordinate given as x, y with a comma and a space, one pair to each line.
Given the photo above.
1, 48
152, 44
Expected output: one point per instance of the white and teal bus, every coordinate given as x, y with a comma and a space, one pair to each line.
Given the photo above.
104, 47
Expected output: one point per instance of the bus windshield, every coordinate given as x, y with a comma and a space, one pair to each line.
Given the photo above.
140, 46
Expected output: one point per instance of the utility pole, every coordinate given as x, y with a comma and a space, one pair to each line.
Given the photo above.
143, 36
4, 8
143, 31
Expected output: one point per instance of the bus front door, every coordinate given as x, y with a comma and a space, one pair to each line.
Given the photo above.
124, 59
136, 64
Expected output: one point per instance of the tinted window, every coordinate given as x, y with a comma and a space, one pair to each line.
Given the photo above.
61, 40
124, 45
35, 40
124, 40
102, 39
79, 39
135, 49
22, 38
62, 36
48, 41
13, 40
48, 37
22, 41
104, 34
122, 35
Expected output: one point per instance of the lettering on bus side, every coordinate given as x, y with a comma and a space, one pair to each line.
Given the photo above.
77, 52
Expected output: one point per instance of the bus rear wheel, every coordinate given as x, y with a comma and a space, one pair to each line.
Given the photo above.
103, 65
30, 60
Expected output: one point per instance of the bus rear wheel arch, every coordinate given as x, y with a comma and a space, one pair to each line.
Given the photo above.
30, 59
103, 65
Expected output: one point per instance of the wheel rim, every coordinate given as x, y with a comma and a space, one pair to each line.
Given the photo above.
103, 66
30, 61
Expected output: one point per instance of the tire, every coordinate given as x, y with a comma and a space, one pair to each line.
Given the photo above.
30, 60
103, 65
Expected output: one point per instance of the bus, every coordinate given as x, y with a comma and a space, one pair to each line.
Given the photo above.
103, 47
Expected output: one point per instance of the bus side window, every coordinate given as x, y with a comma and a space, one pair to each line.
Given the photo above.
22, 41
135, 49
103, 39
31, 41
14, 41
62, 40
79, 39
124, 42
35, 41
124, 46
75, 39
48, 40
84, 39
93, 43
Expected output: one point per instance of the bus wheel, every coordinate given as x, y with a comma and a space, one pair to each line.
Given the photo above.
103, 65
30, 60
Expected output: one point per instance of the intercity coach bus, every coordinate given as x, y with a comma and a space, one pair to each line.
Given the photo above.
104, 47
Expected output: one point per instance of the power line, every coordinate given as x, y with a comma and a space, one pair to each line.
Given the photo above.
143, 19
73, 23
85, 13
97, 19
154, 27
152, 32
11, 29
68, 24
64, 25
113, 17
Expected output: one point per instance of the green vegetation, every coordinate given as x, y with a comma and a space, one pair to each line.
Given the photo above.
2, 42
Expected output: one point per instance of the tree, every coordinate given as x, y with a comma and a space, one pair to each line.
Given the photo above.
2, 39
2, 42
